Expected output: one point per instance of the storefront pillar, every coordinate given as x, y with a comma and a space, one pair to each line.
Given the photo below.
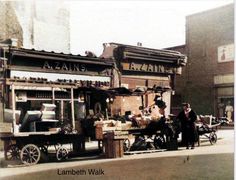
13, 107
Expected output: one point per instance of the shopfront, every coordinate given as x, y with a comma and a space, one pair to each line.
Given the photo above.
224, 95
33, 78
142, 68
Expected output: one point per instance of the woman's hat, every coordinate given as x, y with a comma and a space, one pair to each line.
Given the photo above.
186, 104
161, 104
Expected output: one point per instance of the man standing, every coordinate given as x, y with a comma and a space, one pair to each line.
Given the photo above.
187, 118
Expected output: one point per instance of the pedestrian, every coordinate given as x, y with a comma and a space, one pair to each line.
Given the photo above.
229, 111
187, 118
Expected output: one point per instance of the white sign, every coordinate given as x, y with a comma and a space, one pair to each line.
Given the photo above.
21, 97
226, 53
224, 79
55, 76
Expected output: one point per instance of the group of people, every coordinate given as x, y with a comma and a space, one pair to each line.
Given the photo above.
187, 119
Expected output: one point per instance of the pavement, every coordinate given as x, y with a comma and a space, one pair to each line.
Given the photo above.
207, 161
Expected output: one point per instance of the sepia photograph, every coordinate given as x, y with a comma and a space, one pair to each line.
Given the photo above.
117, 90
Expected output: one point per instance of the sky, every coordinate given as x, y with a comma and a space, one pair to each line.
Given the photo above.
156, 24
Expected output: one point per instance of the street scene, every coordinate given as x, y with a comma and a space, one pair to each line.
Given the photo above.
156, 102
204, 161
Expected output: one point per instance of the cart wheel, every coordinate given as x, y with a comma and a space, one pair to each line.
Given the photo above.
159, 142
12, 152
30, 154
212, 137
61, 154
126, 145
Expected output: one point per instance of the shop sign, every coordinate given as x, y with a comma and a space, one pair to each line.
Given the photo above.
65, 66
145, 67
226, 53
224, 79
21, 97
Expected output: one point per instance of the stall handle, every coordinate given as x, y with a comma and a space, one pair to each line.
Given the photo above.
72, 109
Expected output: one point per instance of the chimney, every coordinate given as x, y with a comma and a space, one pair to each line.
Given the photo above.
139, 44
14, 42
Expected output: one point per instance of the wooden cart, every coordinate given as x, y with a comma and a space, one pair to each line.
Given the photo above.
30, 147
206, 128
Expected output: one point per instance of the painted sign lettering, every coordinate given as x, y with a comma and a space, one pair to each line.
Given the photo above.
65, 66
154, 68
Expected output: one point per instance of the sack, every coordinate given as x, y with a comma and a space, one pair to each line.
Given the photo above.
139, 144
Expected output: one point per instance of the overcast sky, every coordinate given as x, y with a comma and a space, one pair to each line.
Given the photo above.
156, 24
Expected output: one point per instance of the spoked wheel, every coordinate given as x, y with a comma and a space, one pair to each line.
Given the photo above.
126, 145
30, 154
212, 137
12, 152
62, 154
159, 142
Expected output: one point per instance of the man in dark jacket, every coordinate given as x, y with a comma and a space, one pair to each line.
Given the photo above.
187, 118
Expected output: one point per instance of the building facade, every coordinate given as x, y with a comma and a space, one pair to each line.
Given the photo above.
10, 25
143, 68
207, 81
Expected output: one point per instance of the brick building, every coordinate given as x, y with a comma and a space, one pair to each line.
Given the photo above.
142, 68
207, 81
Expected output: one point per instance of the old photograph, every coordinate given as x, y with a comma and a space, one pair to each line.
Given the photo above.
117, 90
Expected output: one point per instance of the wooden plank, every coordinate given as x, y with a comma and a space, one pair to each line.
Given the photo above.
5, 127
121, 137
144, 152
14, 108
31, 84
53, 95
22, 134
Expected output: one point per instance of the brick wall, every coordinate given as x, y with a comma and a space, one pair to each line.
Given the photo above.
205, 32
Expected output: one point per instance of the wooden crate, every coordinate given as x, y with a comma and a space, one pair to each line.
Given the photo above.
113, 147
99, 133
5, 127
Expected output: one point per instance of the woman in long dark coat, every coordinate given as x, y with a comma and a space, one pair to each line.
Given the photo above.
187, 118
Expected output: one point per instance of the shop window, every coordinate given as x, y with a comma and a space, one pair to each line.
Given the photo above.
226, 91
223, 106
80, 110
